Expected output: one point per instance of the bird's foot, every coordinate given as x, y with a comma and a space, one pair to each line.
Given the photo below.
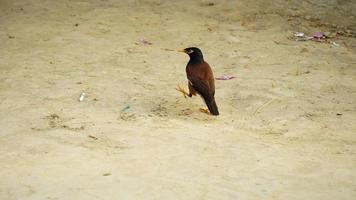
206, 111
180, 89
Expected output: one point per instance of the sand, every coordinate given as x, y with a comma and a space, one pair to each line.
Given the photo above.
287, 126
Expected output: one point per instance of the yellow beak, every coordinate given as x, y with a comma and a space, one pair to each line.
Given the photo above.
181, 50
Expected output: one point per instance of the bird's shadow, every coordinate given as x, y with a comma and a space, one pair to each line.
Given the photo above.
180, 108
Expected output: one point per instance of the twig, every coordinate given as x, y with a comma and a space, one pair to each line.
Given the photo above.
264, 105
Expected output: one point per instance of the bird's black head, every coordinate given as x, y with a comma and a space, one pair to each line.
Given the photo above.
195, 54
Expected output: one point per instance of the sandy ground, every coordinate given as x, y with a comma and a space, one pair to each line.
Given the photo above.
287, 126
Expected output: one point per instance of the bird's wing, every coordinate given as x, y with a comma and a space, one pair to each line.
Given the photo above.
201, 86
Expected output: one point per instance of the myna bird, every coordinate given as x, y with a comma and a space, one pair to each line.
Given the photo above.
200, 79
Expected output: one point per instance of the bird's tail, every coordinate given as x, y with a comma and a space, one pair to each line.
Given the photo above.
213, 108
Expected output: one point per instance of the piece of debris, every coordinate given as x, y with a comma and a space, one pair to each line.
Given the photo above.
319, 36
76, 24
338, 114
81, 97
143, 41
11, 36
335, 44
225, 77
263, 106
316, 37
300, 36
126, 108
93, 137
107, 174
166, 49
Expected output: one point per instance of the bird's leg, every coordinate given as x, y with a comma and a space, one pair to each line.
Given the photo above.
206, 111
180, 89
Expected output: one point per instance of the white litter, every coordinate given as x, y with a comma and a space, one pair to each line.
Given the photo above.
299, 34
81, 97
335, 44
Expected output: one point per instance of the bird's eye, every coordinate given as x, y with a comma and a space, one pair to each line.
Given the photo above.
189, 51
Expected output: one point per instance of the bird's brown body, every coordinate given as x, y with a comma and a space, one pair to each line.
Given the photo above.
201, 79
200, 74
